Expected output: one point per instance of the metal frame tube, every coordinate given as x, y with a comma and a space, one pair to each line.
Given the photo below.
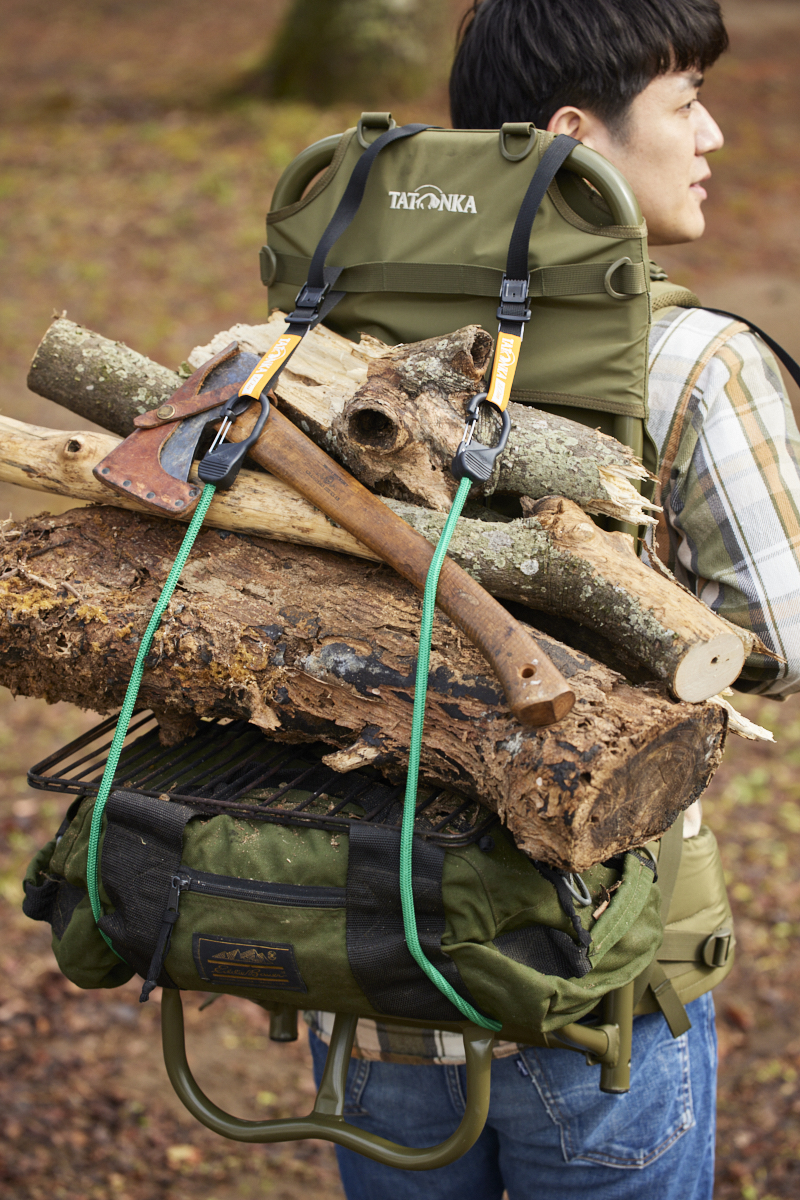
326, 1120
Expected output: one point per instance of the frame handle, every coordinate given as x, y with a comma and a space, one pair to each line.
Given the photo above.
326, 1120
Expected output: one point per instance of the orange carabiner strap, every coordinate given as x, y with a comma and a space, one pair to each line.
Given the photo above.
316, 298
473, 460
513, 312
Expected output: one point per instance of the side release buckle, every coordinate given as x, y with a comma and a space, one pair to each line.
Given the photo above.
307, 305
472, 459
514, 300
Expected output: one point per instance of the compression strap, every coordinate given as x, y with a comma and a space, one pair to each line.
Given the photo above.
316, 300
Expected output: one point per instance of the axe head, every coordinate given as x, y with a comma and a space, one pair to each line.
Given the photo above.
154, 462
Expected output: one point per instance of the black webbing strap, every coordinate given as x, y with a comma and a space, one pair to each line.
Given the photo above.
315, 299
513, 311
792, 366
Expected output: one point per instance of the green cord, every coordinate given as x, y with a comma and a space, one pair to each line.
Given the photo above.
410, 802
418, 720
129, 702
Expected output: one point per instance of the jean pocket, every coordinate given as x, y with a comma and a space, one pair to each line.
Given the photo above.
357, 1079
628, 1131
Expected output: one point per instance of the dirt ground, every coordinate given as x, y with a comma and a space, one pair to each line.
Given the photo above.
133, 197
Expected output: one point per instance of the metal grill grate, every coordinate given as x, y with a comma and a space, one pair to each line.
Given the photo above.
232, 767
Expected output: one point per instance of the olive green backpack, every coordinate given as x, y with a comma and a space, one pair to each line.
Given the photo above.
427, 253
292, 918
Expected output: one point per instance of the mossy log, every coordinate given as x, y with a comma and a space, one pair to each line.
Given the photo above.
406, 404
311, 645
556, 560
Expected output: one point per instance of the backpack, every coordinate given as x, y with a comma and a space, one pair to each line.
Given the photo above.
428, 252
215, 901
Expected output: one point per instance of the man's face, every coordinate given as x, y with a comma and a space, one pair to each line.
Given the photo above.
660, 151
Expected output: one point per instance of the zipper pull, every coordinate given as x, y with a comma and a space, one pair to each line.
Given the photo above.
180, 883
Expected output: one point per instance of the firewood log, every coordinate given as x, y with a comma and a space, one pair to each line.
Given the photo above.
556, 560
563, 566
408, 397
309, 644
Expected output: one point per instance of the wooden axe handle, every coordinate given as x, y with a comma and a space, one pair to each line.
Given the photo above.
536, 691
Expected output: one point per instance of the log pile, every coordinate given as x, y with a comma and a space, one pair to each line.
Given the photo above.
310, 644
309, 637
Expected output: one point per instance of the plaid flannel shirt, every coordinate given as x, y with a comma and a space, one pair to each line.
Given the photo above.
728, 447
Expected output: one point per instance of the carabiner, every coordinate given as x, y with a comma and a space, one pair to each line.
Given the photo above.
222, 463
580, 893
472, 459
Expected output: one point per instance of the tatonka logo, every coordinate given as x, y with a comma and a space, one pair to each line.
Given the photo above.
429, 196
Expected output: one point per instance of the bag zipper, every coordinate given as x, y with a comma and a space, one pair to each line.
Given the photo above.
259, 892
254, 890
180, 882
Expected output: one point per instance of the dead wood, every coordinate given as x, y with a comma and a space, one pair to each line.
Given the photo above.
556, 560
314, 645
394, 417
398, 430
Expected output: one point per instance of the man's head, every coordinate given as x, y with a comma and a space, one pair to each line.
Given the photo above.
621, 75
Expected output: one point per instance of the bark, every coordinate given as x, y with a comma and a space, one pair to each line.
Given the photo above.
556, 560
109, 384
312, 645
103, 381
398, 430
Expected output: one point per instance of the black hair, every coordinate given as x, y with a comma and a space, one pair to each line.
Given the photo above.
522, 60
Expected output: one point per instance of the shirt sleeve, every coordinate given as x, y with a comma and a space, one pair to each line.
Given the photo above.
734, 503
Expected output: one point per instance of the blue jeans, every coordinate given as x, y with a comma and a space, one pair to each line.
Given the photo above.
551, 1133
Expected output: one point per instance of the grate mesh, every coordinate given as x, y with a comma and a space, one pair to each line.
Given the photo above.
231, 766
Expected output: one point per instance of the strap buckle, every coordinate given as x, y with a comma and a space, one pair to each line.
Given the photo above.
513, 300
473, 460
717, 948
307, 305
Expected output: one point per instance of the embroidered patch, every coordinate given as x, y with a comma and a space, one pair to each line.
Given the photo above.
236, 963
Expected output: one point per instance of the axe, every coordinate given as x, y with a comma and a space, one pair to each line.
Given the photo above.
154, 462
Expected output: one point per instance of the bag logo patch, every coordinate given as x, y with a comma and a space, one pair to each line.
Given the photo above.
429, 196
238, 963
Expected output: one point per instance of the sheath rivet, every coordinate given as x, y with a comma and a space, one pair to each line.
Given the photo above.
166, 411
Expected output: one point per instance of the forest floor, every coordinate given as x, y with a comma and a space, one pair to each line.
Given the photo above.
133, 197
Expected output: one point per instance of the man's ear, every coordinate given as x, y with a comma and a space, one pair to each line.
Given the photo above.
580, 124
569, 120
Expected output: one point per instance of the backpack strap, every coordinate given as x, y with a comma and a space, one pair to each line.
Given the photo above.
665, 294
654, 977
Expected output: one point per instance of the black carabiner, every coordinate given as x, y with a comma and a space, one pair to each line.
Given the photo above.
472, 459
223, 461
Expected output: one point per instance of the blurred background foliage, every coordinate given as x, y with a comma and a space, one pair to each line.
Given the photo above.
139, 146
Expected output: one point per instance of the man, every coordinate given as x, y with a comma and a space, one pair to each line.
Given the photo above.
623, 76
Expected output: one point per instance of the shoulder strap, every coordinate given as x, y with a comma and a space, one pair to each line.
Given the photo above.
654, 977
665, 294
777, 349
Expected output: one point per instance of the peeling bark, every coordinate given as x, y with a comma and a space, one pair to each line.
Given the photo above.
556, 560
310, 645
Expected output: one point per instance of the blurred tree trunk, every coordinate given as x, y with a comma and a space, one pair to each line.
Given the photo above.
328, 51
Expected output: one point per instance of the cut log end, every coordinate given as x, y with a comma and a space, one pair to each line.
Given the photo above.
707, 667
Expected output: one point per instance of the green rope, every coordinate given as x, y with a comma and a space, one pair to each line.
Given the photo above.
410, 803
129, 702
